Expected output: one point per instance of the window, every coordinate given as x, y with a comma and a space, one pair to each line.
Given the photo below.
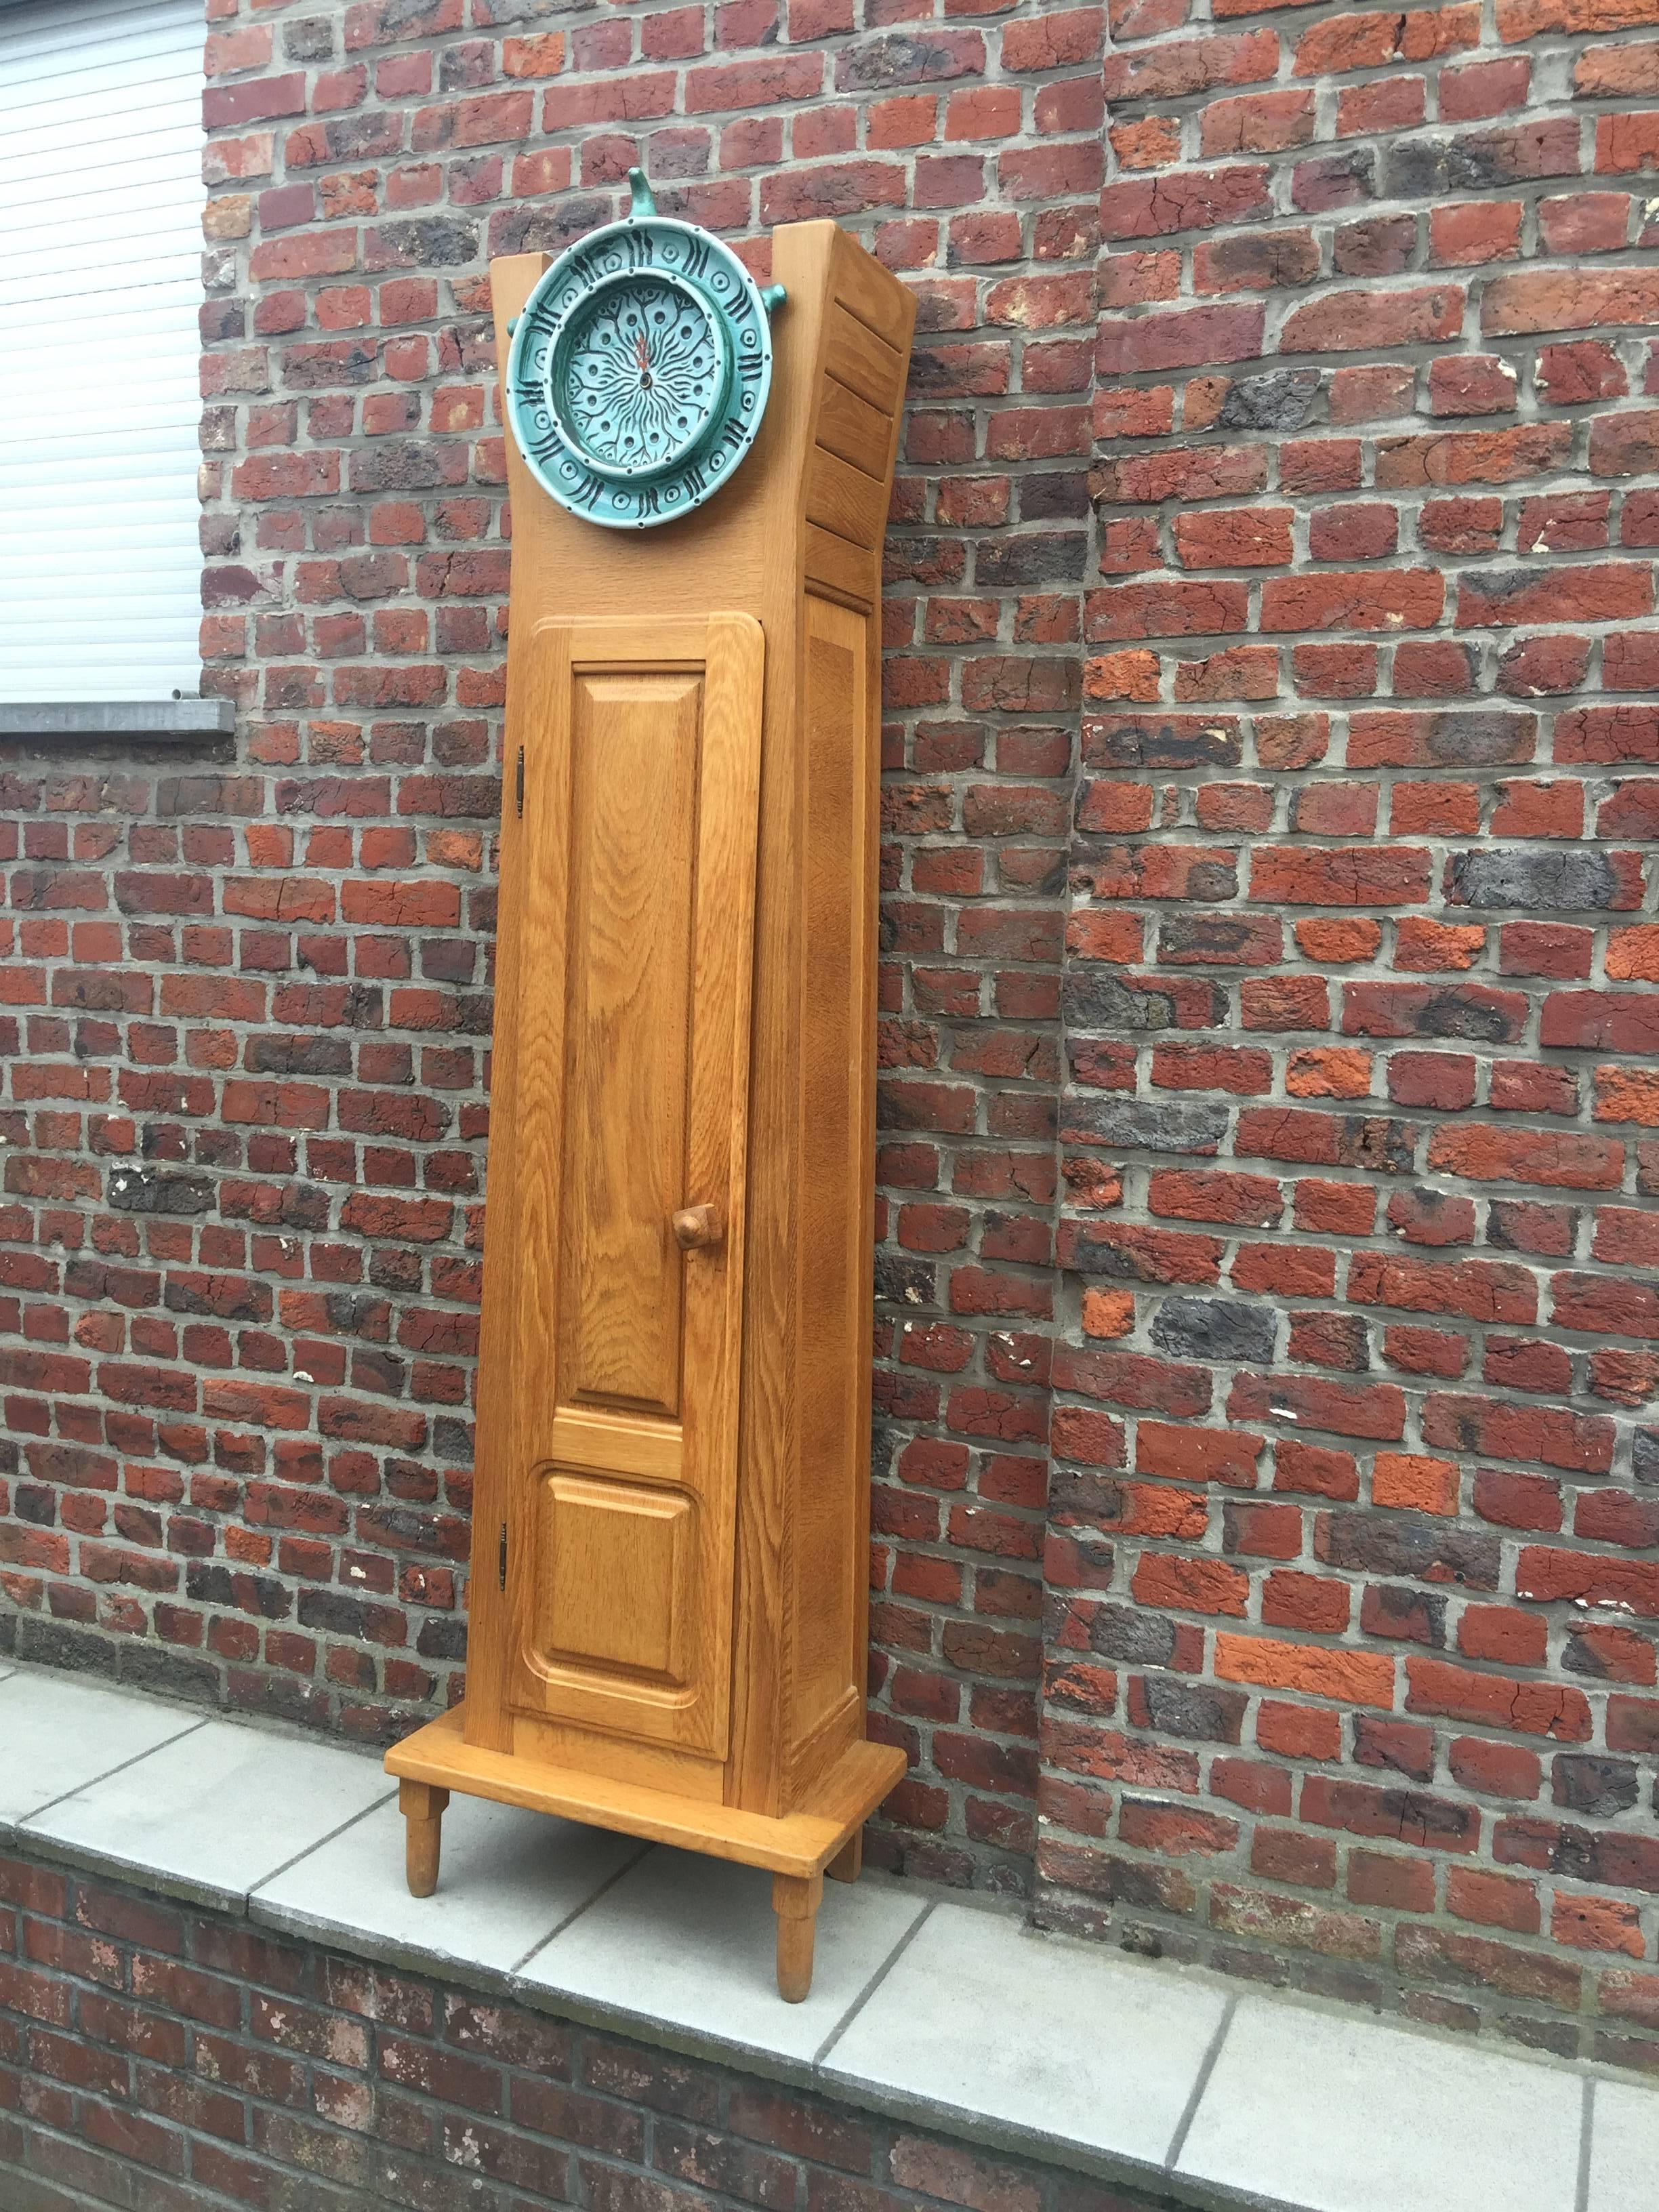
101, 206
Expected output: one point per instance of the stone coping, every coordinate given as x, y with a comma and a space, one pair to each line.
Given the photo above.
926, 2005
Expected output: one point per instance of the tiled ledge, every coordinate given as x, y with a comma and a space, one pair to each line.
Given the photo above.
924, 2007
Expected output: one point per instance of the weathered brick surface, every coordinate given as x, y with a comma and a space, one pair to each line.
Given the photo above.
248, 999
1316, 1395
159, 2055
1351, 1582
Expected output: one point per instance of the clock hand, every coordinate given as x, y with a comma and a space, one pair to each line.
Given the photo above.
642, 355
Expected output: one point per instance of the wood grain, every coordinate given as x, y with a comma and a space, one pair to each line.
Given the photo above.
614, 1583
796, 1899
673, 1422
864, 288
843, 499
851, 428
632, 829
800, 1843
422, 1808
835, 1260
867, 364
641, 789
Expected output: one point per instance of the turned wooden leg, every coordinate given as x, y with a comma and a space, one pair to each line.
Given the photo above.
848, 1860
421, 1805
795, 1900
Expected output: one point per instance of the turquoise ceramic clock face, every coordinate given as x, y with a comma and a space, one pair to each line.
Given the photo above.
640, 368
640, 373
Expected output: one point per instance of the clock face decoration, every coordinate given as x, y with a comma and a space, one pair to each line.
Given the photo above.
638, 370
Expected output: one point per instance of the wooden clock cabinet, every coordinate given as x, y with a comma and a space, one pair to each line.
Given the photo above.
669, 1575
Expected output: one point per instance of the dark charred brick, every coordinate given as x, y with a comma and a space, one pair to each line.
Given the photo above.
1131, 1637
1149, 1124
237, 1589
298, 1055
1368, 1141
1178, 1708
1534, 881
1052, 496
1284, 400
1186, 742
1096, 998
157, 1190
1419, 1548
1598, 1787
1025, 557
1215, 1328
905, 1282
1412, 1616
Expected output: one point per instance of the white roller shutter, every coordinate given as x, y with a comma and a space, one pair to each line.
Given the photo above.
101, 246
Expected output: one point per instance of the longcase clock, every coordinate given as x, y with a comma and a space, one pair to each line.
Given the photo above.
671, 1516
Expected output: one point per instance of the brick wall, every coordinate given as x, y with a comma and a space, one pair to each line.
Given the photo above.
1334, 702
246, 999
169, 2058
1352, 1569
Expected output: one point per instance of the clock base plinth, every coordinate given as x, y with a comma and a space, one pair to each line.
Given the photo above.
823, 1835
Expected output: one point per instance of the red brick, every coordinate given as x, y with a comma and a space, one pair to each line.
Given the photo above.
1349, 522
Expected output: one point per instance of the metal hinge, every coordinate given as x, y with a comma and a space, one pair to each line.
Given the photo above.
520, 780
500, 1558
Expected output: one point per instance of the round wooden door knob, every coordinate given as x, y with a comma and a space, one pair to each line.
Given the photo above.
696, 1226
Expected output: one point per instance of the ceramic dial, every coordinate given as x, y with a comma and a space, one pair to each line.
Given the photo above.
640, 368
640, 375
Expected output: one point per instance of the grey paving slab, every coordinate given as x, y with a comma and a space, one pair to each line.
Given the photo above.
691, 1944
58, 1732
1624, 2162
1308, 2109
1051, 2038
507, 1880
1305, 2110
214, 1813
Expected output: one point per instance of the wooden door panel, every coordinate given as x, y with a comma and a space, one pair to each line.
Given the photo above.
633, 881
631, 1046
617, 1594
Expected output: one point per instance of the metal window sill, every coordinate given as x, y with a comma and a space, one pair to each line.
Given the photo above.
151, 718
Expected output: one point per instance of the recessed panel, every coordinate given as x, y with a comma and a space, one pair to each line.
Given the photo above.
845, 500
867, 364
633, 848
836, 1046
615, 1560
851, 428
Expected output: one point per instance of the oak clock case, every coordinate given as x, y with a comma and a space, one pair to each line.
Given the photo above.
668, 1588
